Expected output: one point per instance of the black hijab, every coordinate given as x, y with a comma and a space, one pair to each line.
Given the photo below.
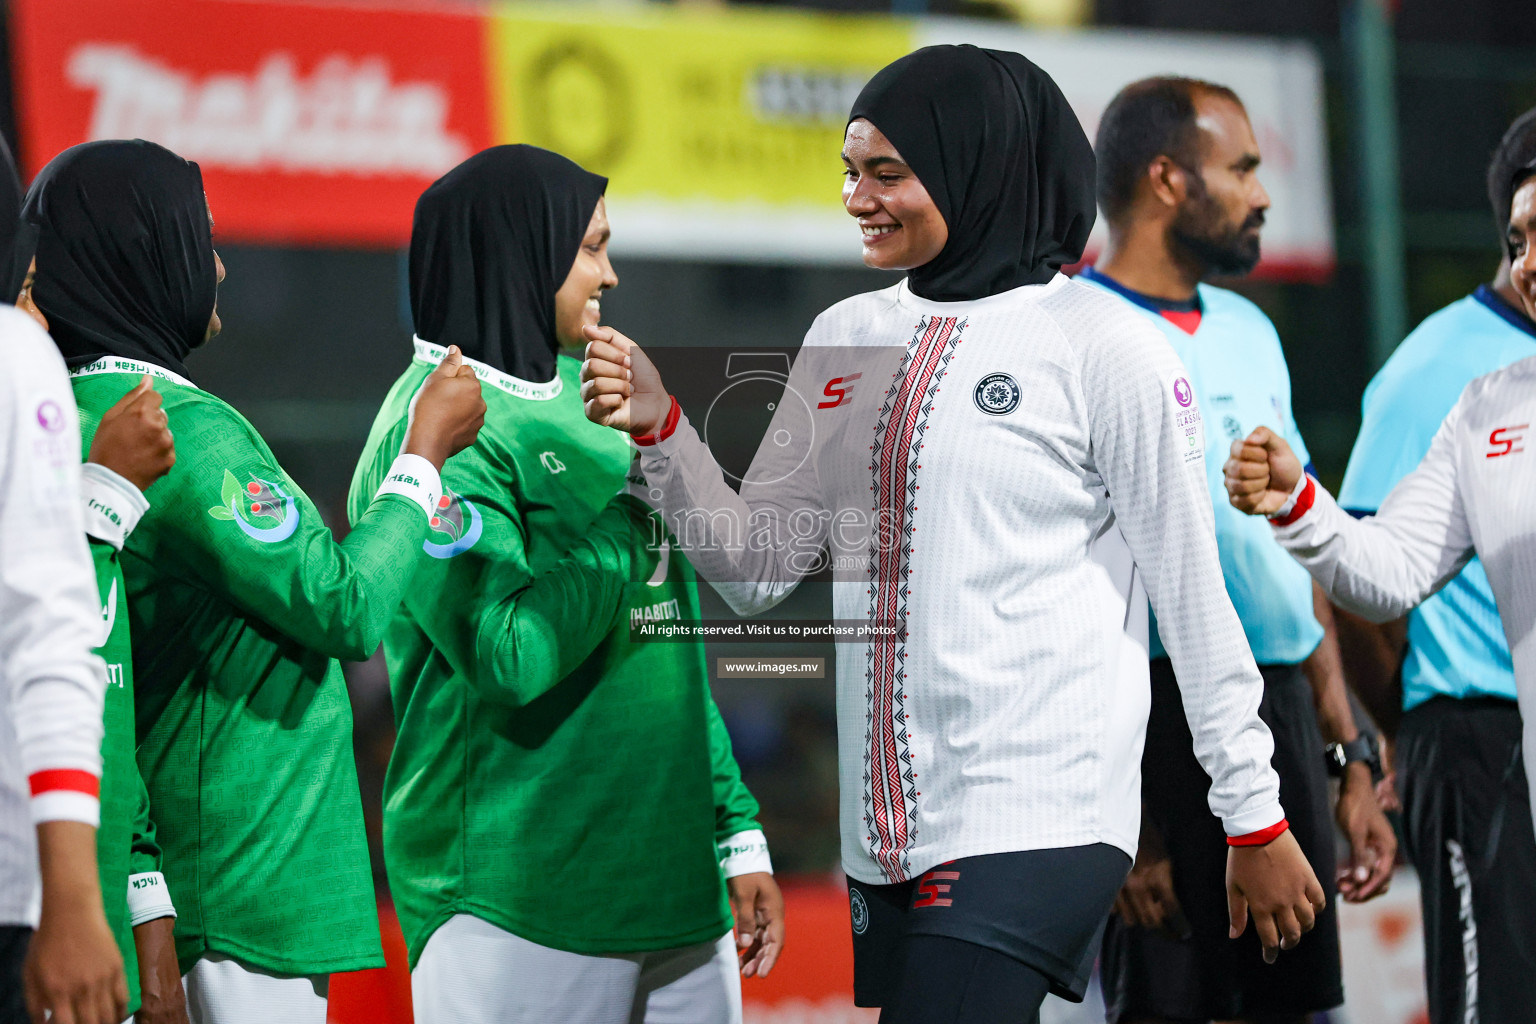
993, 140
17, 240
124, 253
492, 242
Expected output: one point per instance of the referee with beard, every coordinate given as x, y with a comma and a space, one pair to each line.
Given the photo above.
1178, 184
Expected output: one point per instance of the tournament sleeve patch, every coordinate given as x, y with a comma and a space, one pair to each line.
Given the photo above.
1191, 430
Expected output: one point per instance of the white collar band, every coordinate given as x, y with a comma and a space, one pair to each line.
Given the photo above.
431, 354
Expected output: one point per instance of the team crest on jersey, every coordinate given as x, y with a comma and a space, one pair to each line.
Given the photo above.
455, 527
859, 910
263, 510
997, 394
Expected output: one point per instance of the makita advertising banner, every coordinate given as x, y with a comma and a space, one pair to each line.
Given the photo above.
312, 124
321, 123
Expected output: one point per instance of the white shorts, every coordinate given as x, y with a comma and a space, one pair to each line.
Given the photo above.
222, 990
472, 972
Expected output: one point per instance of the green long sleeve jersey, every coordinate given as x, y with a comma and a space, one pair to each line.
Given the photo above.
127, 854
124, 804
549, 776
240, 603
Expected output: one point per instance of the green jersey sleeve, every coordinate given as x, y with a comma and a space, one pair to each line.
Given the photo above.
735, 806
525, 630
236, 523
145, 855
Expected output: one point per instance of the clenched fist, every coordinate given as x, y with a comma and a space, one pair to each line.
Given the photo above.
1261, 473
448, 411
134, 438
620, 387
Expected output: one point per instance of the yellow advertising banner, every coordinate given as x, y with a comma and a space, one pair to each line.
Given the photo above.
686, 110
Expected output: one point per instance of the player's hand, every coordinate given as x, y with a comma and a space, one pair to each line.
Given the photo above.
1276, 885
1386, 789
620, 387
448, 411
758, 906
134, 438
1372, 843
73, 972
1261, 473
1147, 899
164, 1000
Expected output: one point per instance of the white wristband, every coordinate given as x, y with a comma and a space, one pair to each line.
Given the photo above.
148, 898
113, 505
412, 476
745, 853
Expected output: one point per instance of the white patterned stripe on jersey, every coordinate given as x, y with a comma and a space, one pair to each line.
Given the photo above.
890, 789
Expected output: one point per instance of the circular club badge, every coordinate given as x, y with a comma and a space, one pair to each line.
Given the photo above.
1183, 393
997, 394
859, 910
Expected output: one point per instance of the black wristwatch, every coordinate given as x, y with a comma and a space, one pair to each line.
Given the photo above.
1339, 756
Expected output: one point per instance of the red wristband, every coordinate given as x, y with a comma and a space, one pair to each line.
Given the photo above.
1303, 504
667, 426
1261, 837
72, 780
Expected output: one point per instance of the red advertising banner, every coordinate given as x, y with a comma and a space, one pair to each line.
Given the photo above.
312, 124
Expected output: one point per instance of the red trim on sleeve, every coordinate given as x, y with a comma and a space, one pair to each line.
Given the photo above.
667, 427
1303, 504
72, 780
1261, 837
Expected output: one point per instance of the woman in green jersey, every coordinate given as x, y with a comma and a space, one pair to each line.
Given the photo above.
563, 818
240, 599
131, 449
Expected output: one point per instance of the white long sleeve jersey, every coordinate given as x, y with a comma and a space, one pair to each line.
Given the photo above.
997, 480
1474, 493
51, 684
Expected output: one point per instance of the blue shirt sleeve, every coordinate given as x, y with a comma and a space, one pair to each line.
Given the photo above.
1395, 433
1288, 426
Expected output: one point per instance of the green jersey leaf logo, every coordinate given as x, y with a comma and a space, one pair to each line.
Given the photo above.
262, 509
459, 521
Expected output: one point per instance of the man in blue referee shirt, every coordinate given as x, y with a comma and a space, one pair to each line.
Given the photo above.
1466, 812
1178, 184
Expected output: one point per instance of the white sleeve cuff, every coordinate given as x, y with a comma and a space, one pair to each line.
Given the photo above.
113, 505
1261, 817
745, 853
413, 477
1290, 502
148, 898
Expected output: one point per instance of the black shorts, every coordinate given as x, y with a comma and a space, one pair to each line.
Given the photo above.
13, 953
1208, 976
1467, 823
1045, 908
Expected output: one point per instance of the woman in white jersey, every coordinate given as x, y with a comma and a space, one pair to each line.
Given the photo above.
1471, 495
1003, 463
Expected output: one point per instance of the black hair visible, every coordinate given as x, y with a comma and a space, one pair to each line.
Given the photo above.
1516, 150
1147, 119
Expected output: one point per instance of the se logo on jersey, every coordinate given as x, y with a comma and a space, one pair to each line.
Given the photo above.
459, 521
262, 509
1507, 440
839, 390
